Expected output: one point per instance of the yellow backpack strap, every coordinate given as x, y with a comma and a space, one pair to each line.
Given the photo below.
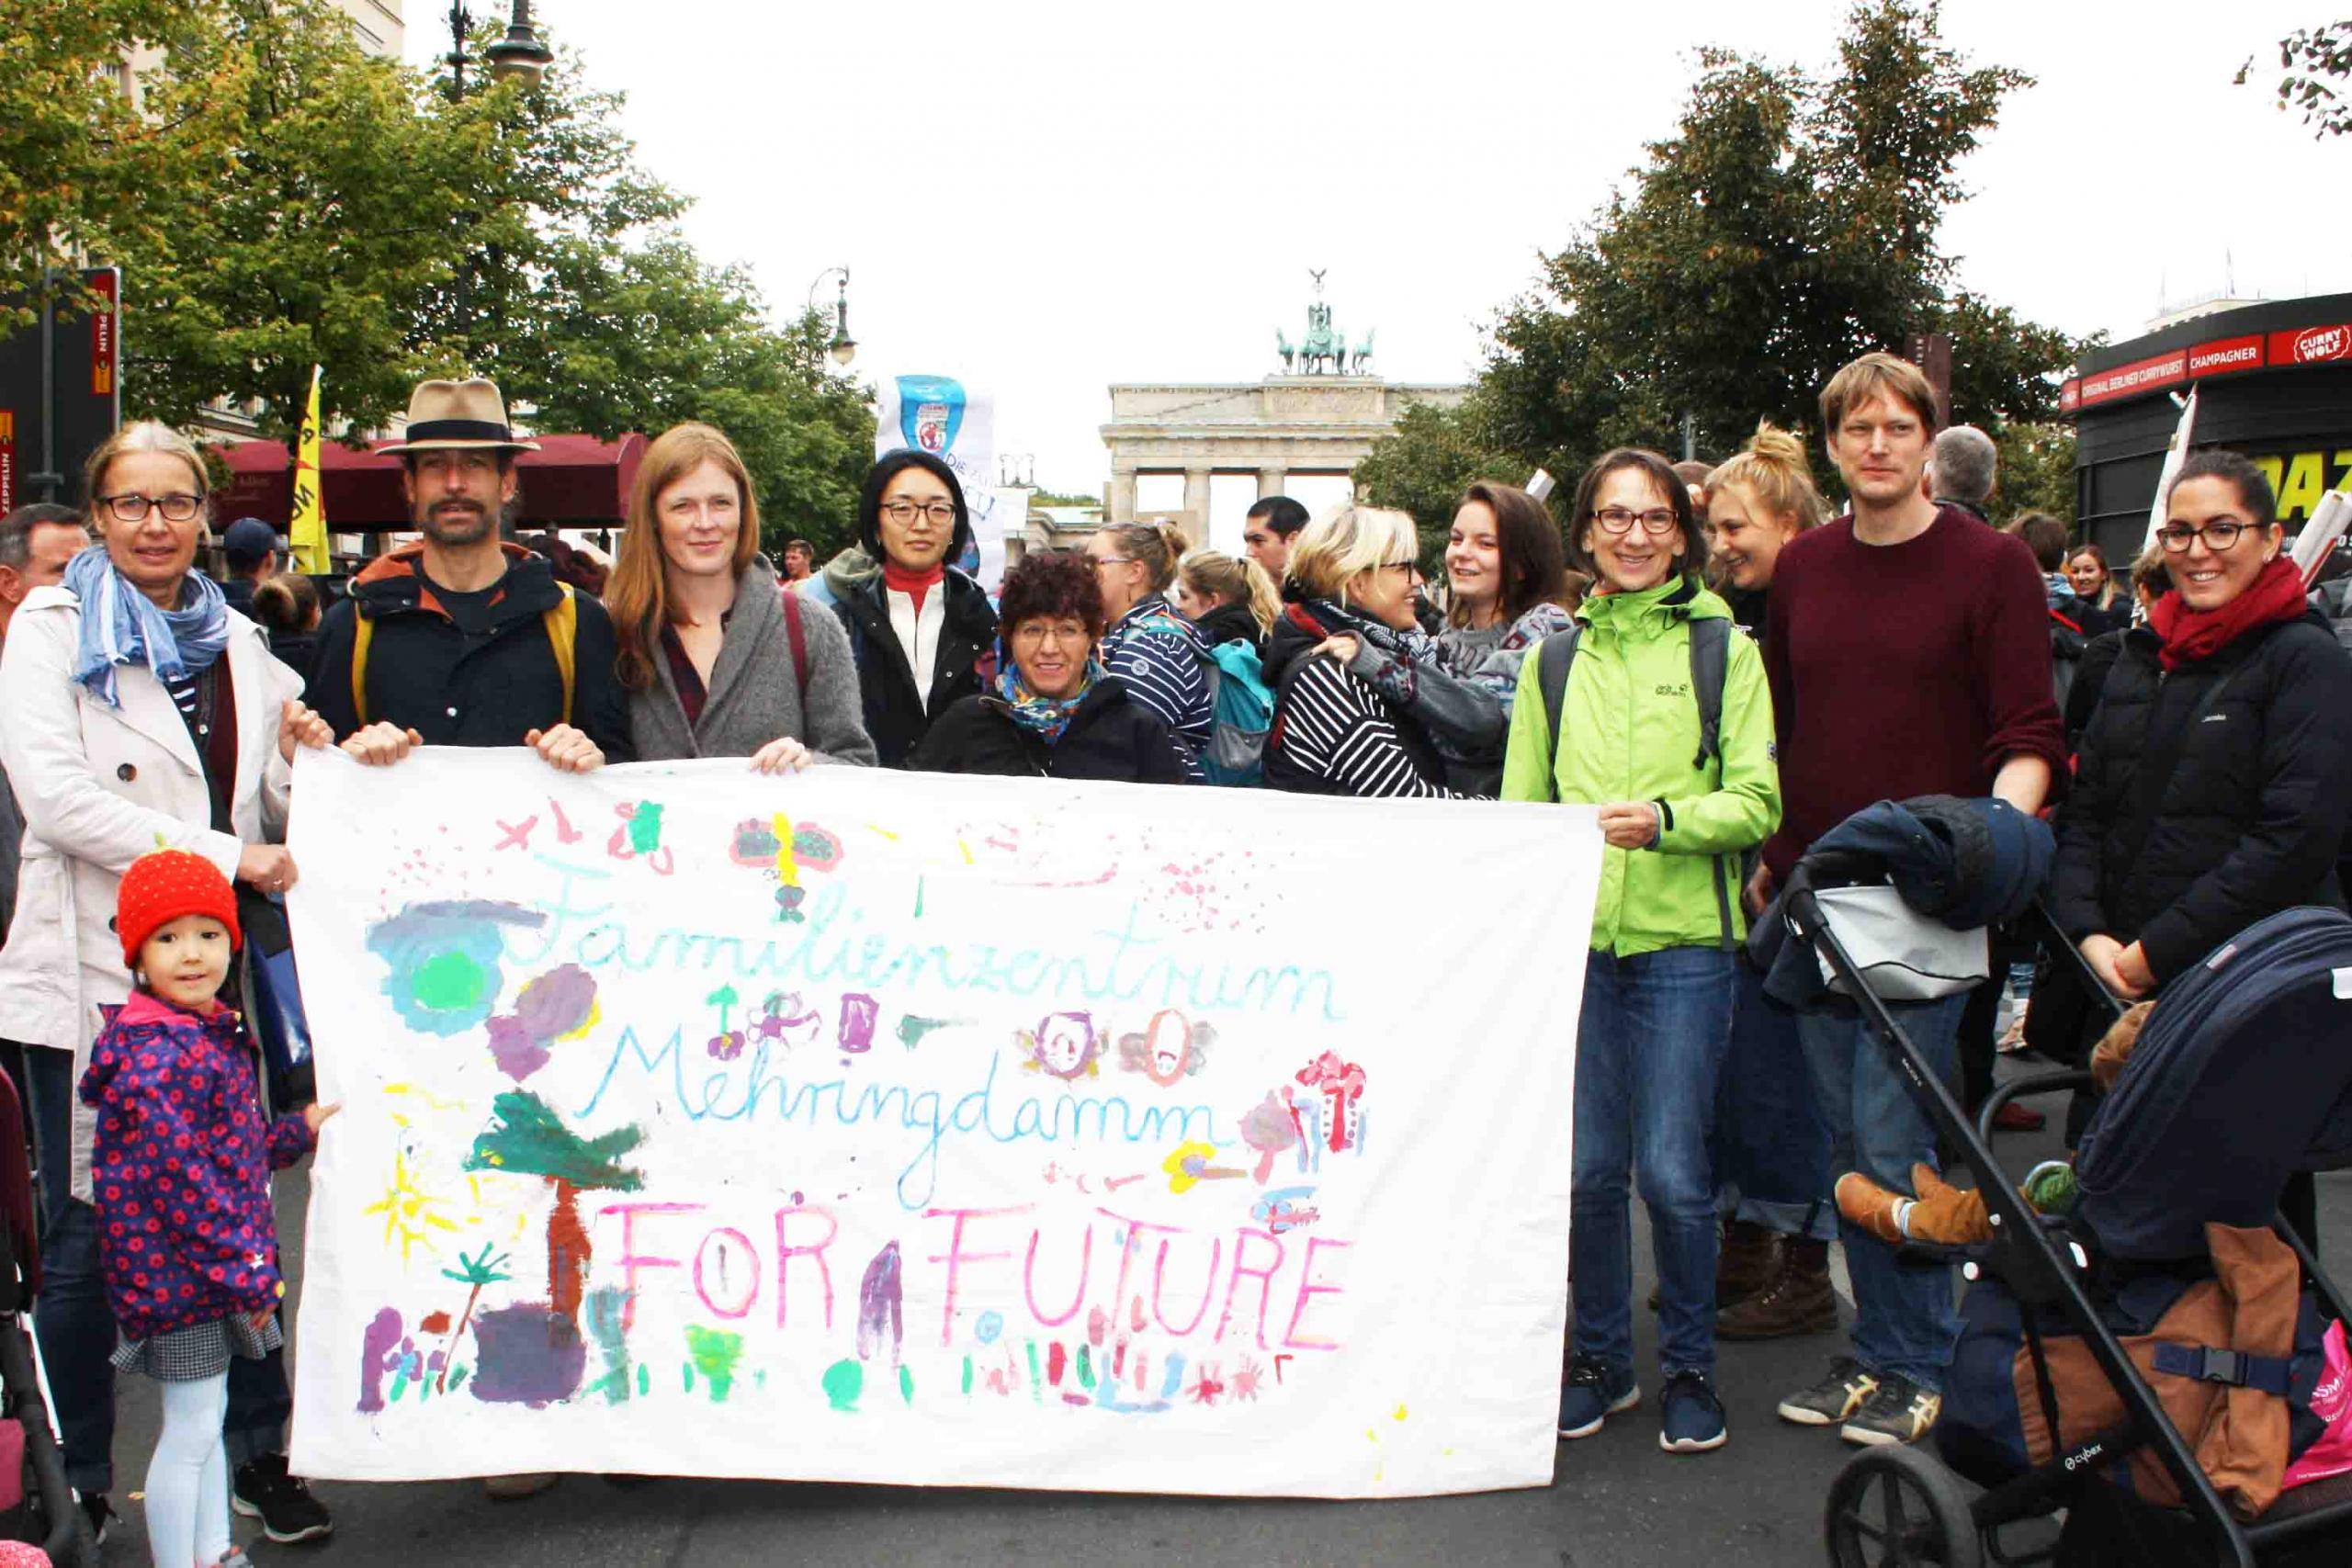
563, 634
363, 632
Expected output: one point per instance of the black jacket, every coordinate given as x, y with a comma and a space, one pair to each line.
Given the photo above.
2253, 812
894, 714
1231, 623
427, 674
2099, 659
1110, 737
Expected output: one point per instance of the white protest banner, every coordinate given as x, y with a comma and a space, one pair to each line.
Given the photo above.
940, 415
878, 1127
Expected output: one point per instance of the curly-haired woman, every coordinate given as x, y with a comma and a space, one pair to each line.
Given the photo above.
1052, 711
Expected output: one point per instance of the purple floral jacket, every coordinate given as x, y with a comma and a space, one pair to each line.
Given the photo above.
181, 1167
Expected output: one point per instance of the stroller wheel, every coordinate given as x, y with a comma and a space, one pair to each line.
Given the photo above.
1897, 1507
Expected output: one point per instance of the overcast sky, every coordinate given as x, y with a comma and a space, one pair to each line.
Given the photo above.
1047, 198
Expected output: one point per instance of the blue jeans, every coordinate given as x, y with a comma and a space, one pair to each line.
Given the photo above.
75, 1323
1650, 1050
1904, 1320
1770, 1148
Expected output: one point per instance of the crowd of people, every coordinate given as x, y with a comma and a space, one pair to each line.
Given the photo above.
1704, 657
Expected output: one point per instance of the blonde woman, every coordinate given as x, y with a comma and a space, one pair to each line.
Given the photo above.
1226, 600
1335, 731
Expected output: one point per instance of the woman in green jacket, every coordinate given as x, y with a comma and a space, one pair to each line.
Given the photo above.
1657, 988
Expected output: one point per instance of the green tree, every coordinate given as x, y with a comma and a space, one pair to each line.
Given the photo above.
2037, 470
1789, 224
318, 245
78, 160
2316, 62
527, 1138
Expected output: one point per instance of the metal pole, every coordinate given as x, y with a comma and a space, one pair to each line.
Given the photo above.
47, 482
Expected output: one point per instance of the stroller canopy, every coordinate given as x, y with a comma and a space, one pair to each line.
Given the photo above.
2242, 1077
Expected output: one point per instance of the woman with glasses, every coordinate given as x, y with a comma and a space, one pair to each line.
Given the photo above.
1677, 815
2212, 784
1053, 711
1149, 646
1335, 731
918, 628
142, 711
717, 659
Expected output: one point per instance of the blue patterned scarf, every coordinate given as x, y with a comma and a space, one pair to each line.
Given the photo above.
1045, 717
121, 626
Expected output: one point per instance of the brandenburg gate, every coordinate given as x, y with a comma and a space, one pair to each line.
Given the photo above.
1305, 419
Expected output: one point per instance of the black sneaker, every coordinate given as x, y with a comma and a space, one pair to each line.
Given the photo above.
1899, 1410
282, 1503
99, 1512
1834, 1398
1692, 1419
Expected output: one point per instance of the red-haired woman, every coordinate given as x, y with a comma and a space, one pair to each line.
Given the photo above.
1052, 711
717, 660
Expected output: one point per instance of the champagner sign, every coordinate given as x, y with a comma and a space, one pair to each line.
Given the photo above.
877, 1127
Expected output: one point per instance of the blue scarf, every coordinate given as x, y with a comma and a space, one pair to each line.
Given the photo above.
1045, 717
121, 626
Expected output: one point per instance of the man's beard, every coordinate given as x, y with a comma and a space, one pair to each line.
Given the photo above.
449, 525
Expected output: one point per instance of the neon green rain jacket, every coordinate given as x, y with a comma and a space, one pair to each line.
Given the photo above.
1631, 732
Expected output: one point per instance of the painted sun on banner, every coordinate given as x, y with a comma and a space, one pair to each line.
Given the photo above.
876, 1127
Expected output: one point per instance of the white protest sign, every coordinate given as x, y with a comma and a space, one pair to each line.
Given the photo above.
940, 415
878, 1127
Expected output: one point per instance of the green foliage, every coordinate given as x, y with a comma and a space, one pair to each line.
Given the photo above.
288, 199
1424, 467
527, 1138
2316, 62
1789, 224
2037, 470
77, 159
1056, 497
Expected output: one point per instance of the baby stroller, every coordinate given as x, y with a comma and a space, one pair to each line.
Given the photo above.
2242, 1075
36, 1503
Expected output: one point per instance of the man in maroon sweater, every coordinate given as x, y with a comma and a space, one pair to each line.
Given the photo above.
1909, 655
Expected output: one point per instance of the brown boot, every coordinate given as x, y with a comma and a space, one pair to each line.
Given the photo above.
1747, 1262
1798, 1300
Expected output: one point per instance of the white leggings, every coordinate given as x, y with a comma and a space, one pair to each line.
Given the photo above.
188, 1481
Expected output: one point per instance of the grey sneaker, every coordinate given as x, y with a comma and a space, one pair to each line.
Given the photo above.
1834, 1398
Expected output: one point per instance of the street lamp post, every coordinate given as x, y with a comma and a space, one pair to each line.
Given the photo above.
843, 348
522, 55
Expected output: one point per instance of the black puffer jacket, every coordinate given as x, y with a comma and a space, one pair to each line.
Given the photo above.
1110, 737
2252, 814
896, 717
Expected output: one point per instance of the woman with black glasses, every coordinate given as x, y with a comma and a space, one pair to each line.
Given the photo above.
2212, 784
918, 628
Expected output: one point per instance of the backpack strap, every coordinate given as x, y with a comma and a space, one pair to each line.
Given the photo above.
1710, 660
1554, 657
800, 635
563, 636
561, 619
363, 632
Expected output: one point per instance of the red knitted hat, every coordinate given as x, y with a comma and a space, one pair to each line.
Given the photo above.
161, 888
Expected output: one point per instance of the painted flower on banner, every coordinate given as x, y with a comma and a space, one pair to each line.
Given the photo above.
443, 961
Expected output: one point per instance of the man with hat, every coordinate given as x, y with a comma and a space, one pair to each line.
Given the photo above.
252, 548
461, 638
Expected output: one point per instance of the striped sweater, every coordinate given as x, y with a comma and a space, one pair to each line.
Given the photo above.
1158, 656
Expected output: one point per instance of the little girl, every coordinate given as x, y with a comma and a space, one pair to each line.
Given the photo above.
181, 1164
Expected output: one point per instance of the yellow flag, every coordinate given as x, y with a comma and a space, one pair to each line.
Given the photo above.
310, 519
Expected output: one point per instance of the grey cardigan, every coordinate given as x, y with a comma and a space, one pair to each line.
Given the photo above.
755, 694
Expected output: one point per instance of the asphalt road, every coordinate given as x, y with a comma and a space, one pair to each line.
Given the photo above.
1615, 1501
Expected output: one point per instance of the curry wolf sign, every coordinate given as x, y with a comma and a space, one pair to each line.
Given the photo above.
866, 1126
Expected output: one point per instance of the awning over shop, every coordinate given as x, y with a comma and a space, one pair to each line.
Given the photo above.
572, 481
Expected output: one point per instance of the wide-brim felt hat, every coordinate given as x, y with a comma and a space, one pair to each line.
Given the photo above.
468, 416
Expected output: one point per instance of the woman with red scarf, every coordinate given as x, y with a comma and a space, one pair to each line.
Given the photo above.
2213, 782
